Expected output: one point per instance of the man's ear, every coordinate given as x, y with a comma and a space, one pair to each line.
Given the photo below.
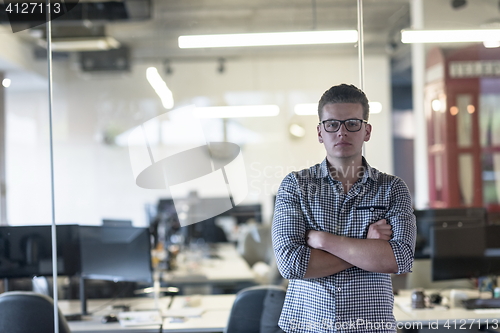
368, 132
320, 138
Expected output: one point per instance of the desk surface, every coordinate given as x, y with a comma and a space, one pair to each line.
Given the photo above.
458, 317
217, 308
225, 265
213, 319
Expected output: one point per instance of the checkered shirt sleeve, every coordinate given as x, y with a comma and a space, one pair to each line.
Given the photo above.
291, 249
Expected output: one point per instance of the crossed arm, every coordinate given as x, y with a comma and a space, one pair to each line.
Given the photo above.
331, 254
313, 254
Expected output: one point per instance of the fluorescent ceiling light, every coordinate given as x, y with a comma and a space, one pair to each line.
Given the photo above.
450, 36
237, 111
491, 44
6, 83
375, 107
306, 109
268, 39
297, 131
82, 44
311, 109
161, 88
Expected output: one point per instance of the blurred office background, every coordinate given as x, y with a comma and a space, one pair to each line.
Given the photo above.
100, 96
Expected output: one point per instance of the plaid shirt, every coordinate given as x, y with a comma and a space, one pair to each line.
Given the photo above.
353, 300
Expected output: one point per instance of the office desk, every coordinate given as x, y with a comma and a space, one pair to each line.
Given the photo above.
213, 319
224, 266
454, 318
217, 309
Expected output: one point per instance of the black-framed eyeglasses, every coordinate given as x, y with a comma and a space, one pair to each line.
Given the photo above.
351, 125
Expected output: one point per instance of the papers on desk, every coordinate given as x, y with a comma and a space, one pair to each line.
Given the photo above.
140, 318
184, 312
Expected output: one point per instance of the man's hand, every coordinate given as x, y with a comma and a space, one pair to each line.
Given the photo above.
379, 230
314, 239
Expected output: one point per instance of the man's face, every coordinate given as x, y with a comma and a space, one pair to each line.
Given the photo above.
343, 144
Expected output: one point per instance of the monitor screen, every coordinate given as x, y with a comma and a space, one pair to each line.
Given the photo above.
452, 217
469, 251
118, 253
492, 252
26, 251
245, 213
458, 252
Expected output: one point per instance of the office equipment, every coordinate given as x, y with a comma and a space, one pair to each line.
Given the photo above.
256, 309
465, 252
26, 251
244, 213
22, 312
116, 223
482, 303
114, 253
109, 318
429, 218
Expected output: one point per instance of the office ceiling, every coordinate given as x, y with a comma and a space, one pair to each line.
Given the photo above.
172, 18
153, 34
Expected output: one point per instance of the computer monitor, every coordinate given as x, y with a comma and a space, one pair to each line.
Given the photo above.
469, 251
115, 253
245, 213
492, 252
26, 251
118, 253
443, 217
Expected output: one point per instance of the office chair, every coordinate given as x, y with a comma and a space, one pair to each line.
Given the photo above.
25, 311
256, 247
256, 309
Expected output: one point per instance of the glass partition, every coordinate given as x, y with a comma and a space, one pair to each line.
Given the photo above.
137, 136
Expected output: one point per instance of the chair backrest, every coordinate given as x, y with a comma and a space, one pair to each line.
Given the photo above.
257, 245
257, 309
24, 311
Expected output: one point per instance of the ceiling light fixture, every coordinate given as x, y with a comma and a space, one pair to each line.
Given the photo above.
154, 78
450, 36
6, 83
491, 44
297, 131
82, 44
237, 111
456, 4
269, 39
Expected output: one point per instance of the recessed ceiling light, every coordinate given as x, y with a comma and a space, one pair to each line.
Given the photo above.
269, 39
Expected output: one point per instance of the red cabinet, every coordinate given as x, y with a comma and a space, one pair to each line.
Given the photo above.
462, 107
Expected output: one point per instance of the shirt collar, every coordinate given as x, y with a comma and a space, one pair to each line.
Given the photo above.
369, 171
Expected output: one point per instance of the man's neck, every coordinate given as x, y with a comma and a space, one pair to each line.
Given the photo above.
347, 171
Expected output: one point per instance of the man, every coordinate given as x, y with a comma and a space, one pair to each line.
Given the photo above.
340, 227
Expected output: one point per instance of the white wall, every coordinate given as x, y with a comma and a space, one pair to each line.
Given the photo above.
95, 181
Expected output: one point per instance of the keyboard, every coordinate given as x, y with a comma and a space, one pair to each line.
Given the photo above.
482, 303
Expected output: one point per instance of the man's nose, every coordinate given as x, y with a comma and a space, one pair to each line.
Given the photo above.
342, 130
